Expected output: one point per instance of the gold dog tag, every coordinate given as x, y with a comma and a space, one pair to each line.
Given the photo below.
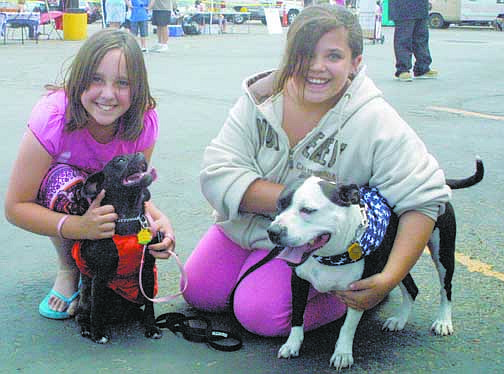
355, 251
144, 236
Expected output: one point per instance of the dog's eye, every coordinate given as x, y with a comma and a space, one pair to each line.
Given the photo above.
306, 210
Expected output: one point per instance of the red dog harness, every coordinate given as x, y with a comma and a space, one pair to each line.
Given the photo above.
126, 281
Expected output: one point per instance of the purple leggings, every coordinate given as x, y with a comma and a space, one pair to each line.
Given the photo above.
262, 302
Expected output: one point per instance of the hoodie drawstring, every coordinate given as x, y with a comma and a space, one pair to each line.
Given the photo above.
346, 99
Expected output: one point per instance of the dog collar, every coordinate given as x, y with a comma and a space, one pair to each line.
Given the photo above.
140, 218
378, 215
144, 235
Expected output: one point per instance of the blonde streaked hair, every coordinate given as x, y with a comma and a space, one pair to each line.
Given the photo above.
305, 32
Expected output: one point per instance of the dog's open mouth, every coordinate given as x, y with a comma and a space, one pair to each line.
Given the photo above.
297, 255
140, 177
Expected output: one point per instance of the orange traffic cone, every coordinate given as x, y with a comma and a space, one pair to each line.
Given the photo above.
285, 22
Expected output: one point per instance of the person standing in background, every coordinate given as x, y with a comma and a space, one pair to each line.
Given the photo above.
411, 37
21, 5
116, 13
161, 16
139, 21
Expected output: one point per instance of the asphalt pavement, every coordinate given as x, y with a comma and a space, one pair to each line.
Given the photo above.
460, 115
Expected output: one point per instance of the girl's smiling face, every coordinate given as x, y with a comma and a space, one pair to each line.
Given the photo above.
108, 96
330, 68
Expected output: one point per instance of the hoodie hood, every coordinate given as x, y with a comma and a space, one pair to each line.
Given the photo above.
257, 88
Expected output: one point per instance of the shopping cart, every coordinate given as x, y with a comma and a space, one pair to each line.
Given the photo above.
370, 19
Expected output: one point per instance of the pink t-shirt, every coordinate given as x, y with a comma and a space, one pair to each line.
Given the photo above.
78, 148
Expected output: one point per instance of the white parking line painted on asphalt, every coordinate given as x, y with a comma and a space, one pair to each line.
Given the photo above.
466, 113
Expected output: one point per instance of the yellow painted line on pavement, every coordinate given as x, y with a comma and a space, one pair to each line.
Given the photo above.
478, 266
466, 113
475, 266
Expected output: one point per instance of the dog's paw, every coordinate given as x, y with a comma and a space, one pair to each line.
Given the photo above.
293, 344
442, 327
102, 340
394, 324
341, 360
85, 333
443, 324
289, 350
153, 333
99, 338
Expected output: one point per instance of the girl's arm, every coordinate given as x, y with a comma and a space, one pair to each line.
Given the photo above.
231, 178
160, 223
21, 208
261, 197
413, 232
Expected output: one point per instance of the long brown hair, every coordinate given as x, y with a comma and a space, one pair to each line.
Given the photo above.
305, 32
79, 77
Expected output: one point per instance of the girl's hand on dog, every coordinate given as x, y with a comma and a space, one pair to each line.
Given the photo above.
99, 221
160, 223
365, 293
160, 250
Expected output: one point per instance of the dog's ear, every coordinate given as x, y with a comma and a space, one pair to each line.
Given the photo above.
340, 194
93, 185
349, 194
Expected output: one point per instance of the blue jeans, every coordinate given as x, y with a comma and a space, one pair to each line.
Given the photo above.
411, 37
137, 26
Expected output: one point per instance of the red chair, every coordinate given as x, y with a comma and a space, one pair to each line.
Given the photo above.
54, 21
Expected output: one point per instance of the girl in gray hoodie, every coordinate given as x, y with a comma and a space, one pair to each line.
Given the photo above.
319, 114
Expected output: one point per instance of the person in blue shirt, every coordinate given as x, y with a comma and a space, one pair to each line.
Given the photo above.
139, 20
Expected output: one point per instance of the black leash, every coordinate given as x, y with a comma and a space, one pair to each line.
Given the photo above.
218, 339
270, 256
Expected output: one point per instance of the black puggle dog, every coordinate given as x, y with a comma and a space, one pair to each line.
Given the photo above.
329, 234
125, 180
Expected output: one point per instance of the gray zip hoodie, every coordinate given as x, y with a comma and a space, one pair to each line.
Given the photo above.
361, 140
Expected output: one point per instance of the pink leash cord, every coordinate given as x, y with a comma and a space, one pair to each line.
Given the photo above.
167, 298
183, 275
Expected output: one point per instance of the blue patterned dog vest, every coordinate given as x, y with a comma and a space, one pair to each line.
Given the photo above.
378, 216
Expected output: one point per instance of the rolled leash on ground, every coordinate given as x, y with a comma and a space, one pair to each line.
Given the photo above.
179, 323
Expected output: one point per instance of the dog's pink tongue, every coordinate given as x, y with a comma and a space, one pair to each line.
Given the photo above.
292, 255
295, 255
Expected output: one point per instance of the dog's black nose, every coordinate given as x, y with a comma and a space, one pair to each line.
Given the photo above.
275, 232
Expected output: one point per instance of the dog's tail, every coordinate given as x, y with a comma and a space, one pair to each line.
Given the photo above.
456, 184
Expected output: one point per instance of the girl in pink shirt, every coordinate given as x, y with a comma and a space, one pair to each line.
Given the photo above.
103, 108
